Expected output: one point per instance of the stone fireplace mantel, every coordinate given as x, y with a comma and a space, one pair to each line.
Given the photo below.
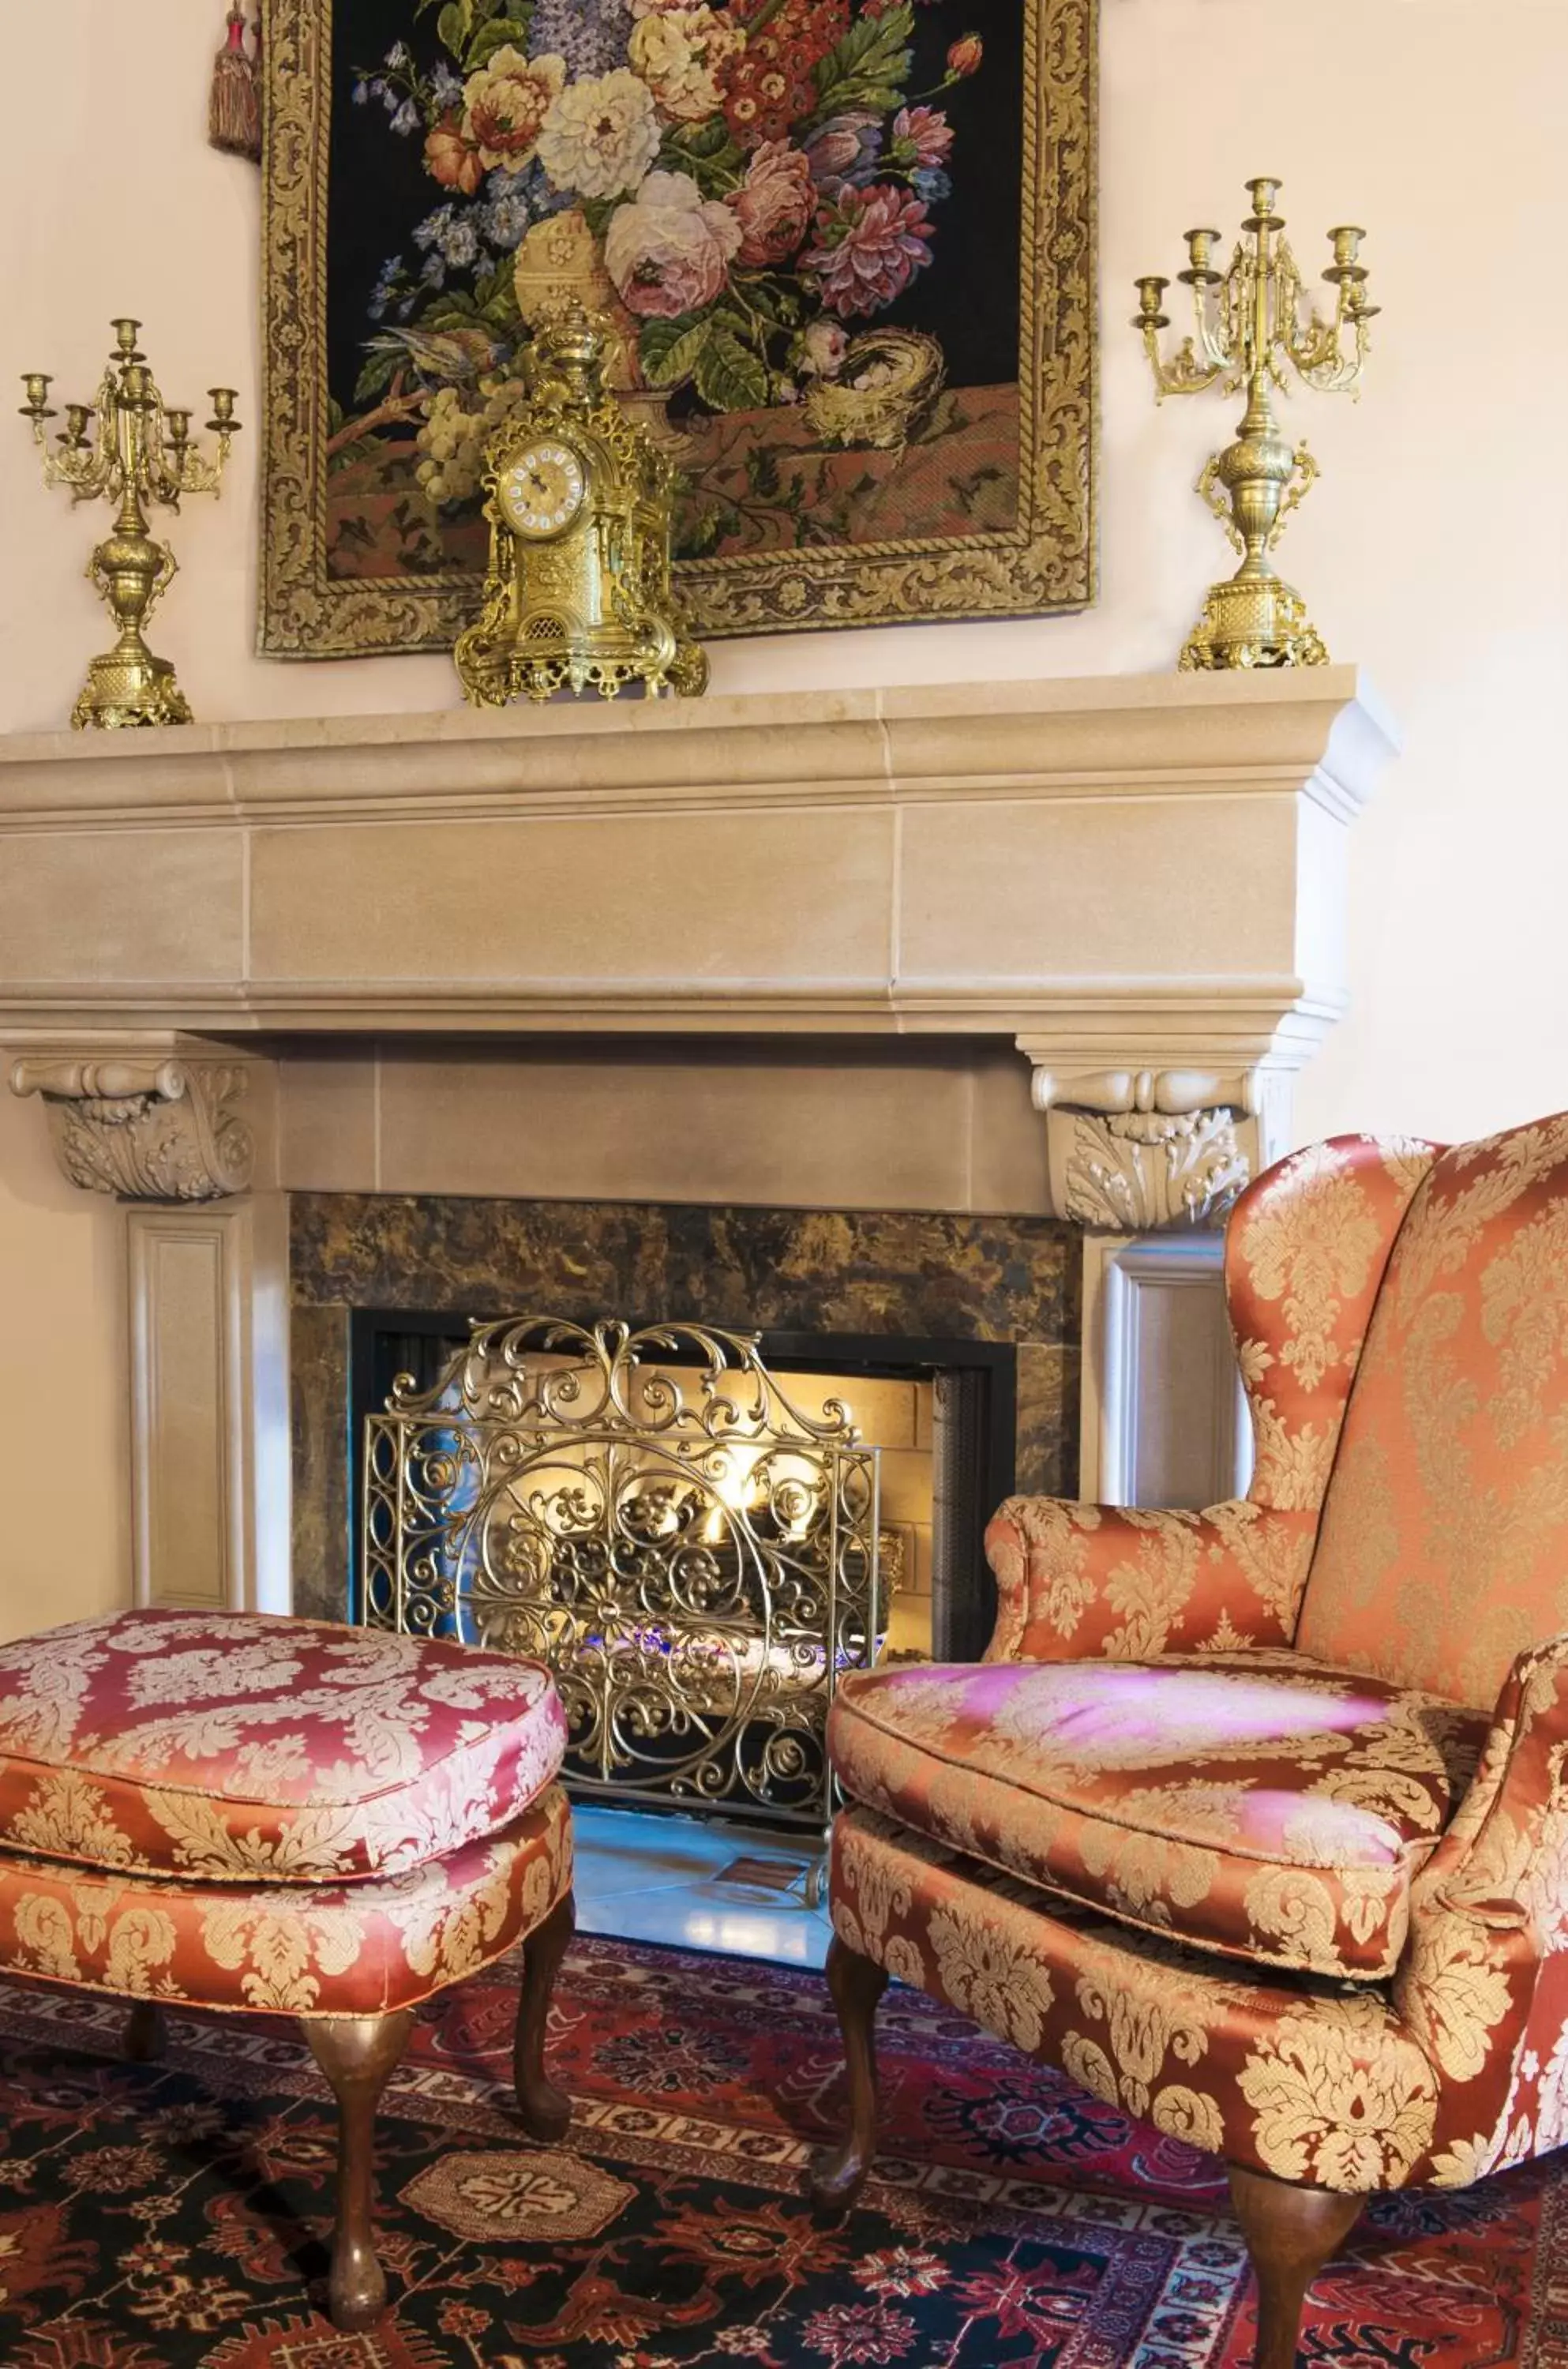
1137, 880
1097, 925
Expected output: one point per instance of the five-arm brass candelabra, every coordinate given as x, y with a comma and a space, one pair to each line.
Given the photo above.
1251, 322
139, 452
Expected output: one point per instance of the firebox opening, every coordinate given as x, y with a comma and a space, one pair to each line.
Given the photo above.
942, 1415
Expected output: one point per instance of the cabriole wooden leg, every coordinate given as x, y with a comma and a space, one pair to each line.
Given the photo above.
1290, 2232
357, 2053
856, 1984
145, 2032
545, 2111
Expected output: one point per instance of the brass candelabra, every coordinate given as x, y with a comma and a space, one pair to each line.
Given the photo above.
1253, 324
139, 452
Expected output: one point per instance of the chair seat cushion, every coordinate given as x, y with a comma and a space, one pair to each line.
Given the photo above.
340, 1949
1257, 1803
248, 1750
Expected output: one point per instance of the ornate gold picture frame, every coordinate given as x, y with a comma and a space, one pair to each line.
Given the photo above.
820, 322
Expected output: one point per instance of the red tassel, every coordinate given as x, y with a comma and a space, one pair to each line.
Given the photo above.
233, 116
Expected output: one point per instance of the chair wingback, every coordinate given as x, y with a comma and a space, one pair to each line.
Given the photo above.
1443, 1551
1306, 1251
1305, 1254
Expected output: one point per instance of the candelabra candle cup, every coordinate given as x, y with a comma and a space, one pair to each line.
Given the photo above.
1200, 271
1151, 297
139, 453
1254, 326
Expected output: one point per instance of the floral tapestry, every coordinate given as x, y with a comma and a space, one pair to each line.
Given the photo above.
845, 250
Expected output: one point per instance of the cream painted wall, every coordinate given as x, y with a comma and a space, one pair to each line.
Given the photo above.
64, 1439
1435, 552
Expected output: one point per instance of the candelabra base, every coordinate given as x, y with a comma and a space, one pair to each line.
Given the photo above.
124, 690
1253, 621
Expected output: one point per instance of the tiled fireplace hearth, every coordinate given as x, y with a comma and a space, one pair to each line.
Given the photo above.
852, 1014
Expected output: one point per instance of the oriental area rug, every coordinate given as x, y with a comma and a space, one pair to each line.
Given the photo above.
171, 2216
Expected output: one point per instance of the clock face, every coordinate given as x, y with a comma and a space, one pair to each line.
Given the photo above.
542, 491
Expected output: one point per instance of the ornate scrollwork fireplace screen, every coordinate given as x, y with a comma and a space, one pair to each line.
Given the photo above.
694, 1558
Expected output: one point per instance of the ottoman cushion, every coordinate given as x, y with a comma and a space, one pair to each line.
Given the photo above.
245, 1749
343, 1949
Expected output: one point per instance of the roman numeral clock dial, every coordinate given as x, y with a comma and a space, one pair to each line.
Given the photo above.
542, 491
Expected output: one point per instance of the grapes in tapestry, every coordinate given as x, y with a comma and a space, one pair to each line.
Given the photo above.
801, 220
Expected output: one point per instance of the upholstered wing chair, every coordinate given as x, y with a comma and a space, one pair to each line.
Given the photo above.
1255, 1821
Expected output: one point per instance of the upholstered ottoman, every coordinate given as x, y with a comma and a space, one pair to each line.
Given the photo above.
283, 1817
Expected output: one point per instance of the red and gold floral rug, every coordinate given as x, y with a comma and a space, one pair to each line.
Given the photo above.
169, 2217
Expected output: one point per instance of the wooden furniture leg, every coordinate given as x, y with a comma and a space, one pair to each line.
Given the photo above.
357, 2053
145, 2031
545, 2111
1290, 2232
856, 1983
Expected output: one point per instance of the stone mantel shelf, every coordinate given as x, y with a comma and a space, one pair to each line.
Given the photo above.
1132, 872
1323, 733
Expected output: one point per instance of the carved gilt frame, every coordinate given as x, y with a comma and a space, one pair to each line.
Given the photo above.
1045, 563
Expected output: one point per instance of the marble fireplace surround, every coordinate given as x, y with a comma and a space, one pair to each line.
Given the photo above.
1028, 951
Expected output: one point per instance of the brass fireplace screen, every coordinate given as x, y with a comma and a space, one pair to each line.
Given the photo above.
647, 1513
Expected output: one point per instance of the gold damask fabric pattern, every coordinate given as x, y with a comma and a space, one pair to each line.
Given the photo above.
365, 1948
1305, 1253
1444, 1552
1310, 2080
245, 1749
1441, 1569
1254, 1803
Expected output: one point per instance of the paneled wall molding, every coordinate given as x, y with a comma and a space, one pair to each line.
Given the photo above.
208, 1305
146, 1126
1164, 1421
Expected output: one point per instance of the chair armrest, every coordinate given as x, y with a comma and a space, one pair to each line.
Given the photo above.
1483, 1983
1076, 1581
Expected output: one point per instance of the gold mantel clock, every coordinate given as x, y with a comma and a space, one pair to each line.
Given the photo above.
578, 500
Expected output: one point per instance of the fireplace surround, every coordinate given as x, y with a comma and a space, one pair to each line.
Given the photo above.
992, 1300
966, 972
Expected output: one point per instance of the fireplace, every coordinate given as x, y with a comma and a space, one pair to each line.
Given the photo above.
699, 1532
419, 1015
939, 1415
981, 1314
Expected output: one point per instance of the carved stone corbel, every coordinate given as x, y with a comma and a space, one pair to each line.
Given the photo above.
1139, 1151
145, 1130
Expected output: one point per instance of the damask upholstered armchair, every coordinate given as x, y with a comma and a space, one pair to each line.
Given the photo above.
1255, 1821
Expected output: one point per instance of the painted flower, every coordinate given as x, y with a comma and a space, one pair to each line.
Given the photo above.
922, 138
768, 88
820, 349
451, 154
507, 212
845, 148
671, 251
964, 57
869, 243
591, 35
506, 101
448, 236
601, 136
680, 53
773, 208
